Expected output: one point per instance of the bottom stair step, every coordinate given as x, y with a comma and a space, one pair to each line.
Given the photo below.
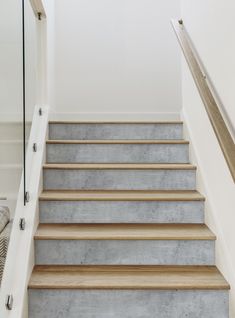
127, 277
128, 291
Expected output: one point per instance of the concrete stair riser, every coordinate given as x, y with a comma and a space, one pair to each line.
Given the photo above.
135, 303
121, 212
106, 131
125, 252
108, 179
117, 153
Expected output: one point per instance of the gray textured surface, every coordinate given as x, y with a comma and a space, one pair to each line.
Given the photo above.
125, 252
120, 179
123, 304
127, 304
115, 131
125, 153
121, 212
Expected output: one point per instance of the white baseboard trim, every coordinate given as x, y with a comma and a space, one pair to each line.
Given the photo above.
115, 116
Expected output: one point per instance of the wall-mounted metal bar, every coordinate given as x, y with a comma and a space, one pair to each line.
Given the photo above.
9, 302
215, 115
38, 8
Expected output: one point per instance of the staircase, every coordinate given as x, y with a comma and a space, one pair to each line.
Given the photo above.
122, 230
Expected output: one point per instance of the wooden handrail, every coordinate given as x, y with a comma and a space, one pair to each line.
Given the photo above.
221, 130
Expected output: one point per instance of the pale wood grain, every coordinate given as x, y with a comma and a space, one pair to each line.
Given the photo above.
123, 232
173, 122
118, 166
59, 195
128, 277
131, 142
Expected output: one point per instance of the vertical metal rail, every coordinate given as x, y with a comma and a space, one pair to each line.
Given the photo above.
24, 98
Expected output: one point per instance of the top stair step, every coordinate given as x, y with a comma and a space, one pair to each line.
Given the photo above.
115, 130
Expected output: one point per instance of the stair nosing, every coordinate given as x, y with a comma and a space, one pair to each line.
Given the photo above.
104, 231
117, 166
107, 277
73, 195
173, 122
117, 141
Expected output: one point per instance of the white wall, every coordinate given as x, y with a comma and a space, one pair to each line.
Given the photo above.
116, 57
209, 24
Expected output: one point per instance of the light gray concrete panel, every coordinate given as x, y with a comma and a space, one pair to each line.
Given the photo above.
115, 131
118, 153
125, 252
119, 179
127, 304
122, 212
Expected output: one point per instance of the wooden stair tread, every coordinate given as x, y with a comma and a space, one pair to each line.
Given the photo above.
128, 277
125, 141
118, 166
123, 232
121, 195
173, 122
